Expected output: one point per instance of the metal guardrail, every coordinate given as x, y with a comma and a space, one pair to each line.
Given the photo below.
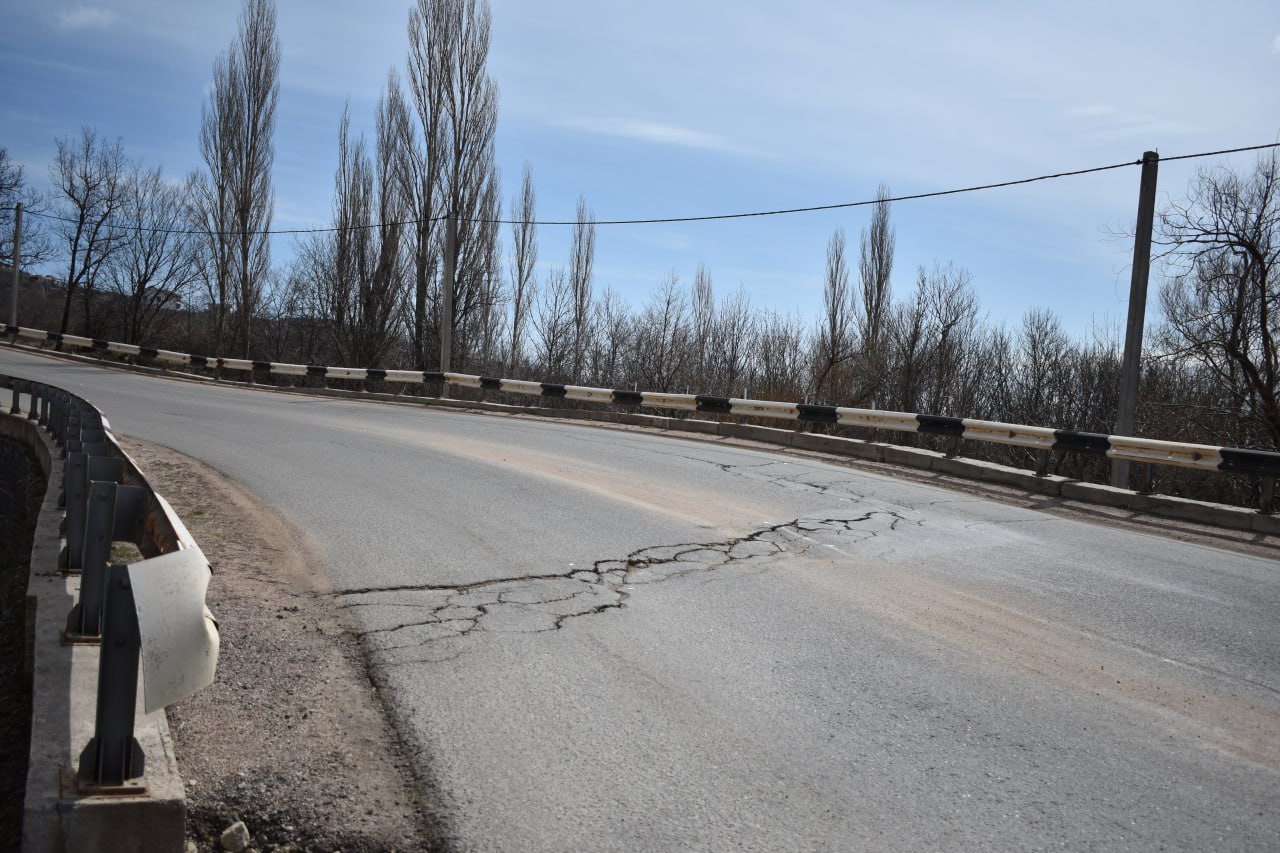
1043, 440
152, 609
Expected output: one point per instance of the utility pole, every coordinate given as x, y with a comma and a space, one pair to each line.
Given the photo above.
446, 286
17, 266
1132, 367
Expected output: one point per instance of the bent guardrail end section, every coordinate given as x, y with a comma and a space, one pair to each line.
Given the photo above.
179, 634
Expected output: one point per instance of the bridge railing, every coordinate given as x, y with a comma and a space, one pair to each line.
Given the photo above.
1043, 440
151, 609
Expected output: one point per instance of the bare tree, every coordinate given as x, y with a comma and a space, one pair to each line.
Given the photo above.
524, 257
211, 206
455, 173
662, 337
14, 189
1042, 378
704, 342
479, 297
153, 268
553, 326
236, 202
951, 312
384, 292
735, 334
875, 267
483, 322
908, 350
89, 178
611, 342
581, 261
833, 341
780, 357
429, 74
1223, 245
357, 267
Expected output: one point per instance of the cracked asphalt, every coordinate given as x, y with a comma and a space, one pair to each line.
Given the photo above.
613, 640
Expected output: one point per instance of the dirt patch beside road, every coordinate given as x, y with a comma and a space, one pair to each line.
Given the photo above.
292, 737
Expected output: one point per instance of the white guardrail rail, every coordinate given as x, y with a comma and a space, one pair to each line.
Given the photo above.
1201, 457
151, 609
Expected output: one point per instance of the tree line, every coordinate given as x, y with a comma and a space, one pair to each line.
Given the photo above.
187, 264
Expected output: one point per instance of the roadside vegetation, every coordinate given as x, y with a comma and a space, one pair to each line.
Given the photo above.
184, 263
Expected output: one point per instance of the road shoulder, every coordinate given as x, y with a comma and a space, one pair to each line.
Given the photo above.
292, 738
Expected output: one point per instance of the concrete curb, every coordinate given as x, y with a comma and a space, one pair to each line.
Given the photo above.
1220, 515
56, 816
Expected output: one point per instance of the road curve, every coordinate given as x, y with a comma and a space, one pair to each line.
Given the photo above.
614, 640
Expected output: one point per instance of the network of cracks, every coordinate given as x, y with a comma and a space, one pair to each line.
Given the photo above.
409, 619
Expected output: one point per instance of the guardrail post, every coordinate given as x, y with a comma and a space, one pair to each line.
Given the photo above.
1267, 502
63, 419
85, 618
1042, 463
46, 410
1147, 479
73, 488
70, 422
113, 756
16, 408
953, 447
83, 467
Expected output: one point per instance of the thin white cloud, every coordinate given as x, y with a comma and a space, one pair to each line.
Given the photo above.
1105, 122
1090, 111
87, 18
660, 134
51, 64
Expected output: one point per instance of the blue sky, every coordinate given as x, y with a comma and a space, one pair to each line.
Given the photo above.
687, 108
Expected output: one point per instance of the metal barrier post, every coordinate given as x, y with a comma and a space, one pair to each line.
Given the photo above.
75, 481
46, 410
16, 408
68, 429
1042, 463
1267, 504
84, 464
85, 618
62, 417
113, 757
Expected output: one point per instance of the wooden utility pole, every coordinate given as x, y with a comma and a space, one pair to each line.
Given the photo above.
17, 267
446, 287
1132, 367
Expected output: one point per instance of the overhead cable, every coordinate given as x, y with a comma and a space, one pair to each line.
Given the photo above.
678, 219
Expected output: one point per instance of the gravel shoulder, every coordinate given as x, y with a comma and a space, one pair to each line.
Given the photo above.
293, 737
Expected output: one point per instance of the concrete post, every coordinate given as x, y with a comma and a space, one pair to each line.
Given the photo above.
447, 287
1132, 366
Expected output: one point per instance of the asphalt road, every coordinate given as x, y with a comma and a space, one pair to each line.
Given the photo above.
614, 640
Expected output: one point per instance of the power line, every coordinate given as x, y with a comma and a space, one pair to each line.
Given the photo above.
820, 207
677, 219
1224, 151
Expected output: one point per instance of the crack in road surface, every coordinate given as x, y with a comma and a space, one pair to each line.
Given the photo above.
412, 616
793, 475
